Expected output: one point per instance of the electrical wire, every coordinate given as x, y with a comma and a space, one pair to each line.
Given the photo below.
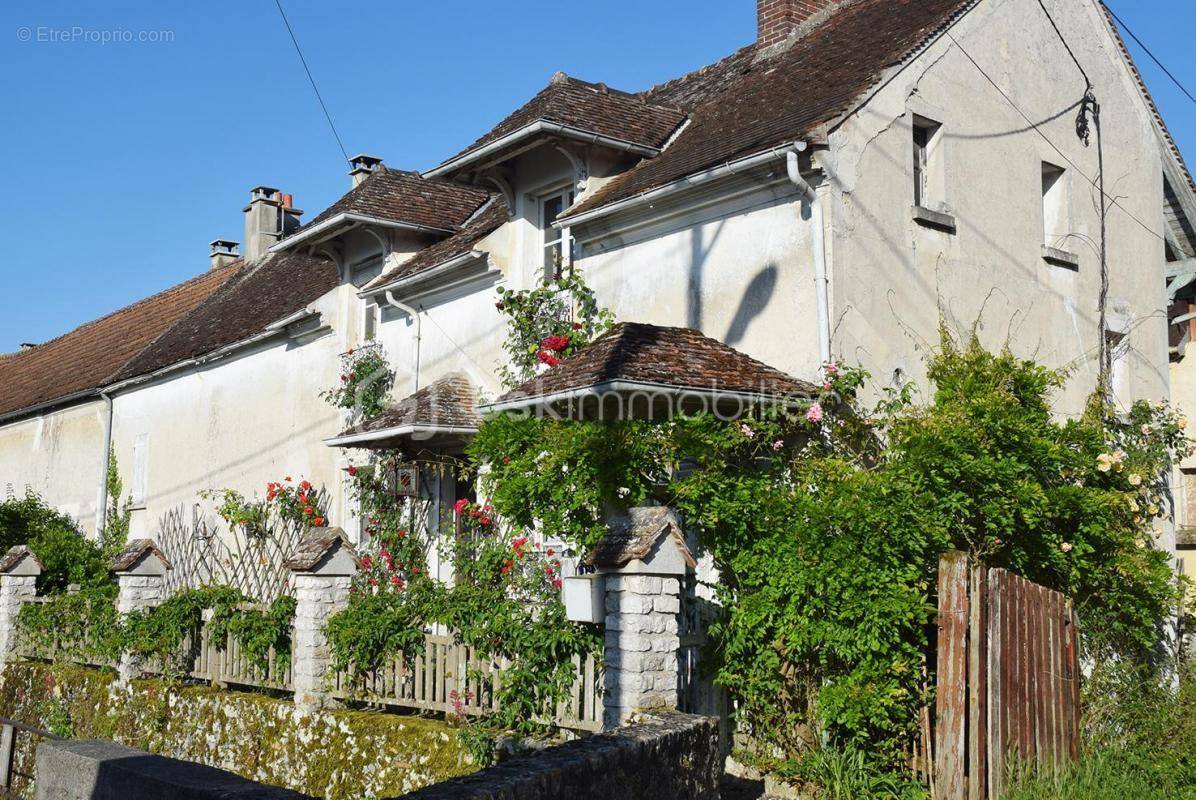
1047, 139
1153, 58
312, 80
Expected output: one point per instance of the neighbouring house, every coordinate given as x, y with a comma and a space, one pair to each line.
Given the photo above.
862, 171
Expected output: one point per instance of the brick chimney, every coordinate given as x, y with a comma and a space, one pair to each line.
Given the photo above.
361, 166
269, 216
776, 19
223, 252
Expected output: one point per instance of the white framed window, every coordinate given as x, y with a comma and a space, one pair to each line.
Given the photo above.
1055, 223
925, 143
369, 321
557, 244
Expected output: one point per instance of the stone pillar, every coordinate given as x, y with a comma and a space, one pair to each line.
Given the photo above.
322, 575
140, 571
641, 645
19, 569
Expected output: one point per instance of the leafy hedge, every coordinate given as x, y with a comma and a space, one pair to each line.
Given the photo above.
826, 525
67, 555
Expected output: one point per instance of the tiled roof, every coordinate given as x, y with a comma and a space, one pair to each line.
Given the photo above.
754, 101
89, 356
450, 401
257, 296
487, 220
592, 107
680, 358
402, 196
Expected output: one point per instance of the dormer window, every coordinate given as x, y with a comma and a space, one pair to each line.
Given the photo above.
557, 244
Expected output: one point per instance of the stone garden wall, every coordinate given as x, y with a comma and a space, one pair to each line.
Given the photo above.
340, 755
667, 756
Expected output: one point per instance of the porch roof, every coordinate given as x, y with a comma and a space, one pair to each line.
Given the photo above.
444, 408
675, 365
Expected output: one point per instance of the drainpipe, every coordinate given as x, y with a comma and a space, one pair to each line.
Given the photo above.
102, 512
414, 314
821, 291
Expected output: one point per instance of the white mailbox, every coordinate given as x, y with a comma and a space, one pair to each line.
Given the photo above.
584, 597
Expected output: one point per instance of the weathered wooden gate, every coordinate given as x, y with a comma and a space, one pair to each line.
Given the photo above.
1008, 682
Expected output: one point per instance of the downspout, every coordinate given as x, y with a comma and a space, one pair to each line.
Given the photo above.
414, 314
102, 511
821, 290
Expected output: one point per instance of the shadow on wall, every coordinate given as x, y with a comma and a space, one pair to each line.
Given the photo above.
755, 299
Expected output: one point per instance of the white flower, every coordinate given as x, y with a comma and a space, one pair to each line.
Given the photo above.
1146, 429
1065, 547
622, 491
1181, 423
1104, 462
1135, 479
778, 444
746, 431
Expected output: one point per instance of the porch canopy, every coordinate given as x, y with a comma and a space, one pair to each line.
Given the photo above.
441, 416
642, 371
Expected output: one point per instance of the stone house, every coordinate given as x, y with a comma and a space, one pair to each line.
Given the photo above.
862, 171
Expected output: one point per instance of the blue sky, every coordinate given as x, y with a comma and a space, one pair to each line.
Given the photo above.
121, 161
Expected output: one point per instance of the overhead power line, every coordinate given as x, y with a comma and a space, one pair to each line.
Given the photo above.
1038, 129
1153, 58
312, 80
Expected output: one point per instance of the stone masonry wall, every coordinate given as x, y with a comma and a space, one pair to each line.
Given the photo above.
669, 756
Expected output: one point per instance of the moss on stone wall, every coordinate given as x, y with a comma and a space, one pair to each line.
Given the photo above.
333, 754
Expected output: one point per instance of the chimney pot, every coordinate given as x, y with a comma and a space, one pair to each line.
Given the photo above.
361, 166
223, 252
776, 20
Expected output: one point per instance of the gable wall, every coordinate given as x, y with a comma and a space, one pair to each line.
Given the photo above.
892, 277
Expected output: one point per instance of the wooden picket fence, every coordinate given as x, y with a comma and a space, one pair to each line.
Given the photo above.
1008, 681
453, 678
224, 663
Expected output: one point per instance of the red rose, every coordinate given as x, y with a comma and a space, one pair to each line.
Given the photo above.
576, 326
548, 552
318, 522
366, 562
352, 470
308, 510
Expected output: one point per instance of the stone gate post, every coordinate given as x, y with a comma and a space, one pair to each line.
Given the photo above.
322, 569
140, 571
644, 558
19, 569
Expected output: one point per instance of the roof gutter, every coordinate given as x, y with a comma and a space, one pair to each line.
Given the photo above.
680, 185
198, 361
329, 227
410, 429
613, 387
538, 128
57, 402
448, 265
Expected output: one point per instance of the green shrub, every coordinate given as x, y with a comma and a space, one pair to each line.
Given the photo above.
67, 555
